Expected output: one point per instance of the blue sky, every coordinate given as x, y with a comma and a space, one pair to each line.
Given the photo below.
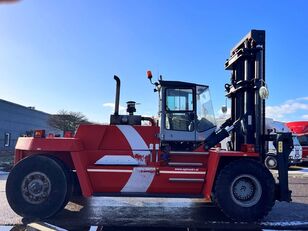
63, 54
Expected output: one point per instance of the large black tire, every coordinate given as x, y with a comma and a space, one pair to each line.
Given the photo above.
38, 187
245, 190
70, 180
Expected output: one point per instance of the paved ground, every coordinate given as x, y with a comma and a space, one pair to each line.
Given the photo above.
176, 214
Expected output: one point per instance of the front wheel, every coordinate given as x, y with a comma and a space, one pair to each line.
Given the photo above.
244, 190
38, 187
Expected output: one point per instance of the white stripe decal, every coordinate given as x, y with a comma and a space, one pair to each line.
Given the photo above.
109, 170
136, 142
140, 180
117, 160
182, 172
144, 170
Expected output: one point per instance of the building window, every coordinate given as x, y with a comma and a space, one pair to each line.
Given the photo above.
7, 138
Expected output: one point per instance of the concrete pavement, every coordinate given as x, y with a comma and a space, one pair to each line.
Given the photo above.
166, 213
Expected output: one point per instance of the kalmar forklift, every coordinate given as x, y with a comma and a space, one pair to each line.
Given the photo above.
176, 155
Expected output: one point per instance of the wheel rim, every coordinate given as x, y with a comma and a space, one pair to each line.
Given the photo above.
246, 190
36, 187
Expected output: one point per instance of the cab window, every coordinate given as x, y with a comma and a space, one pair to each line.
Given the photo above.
205, 112
179, 109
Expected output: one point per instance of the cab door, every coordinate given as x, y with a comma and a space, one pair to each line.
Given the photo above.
178, 114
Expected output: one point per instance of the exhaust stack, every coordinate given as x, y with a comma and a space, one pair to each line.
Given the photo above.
117, 97
131, 119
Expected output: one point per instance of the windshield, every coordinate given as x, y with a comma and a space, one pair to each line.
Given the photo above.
179, 99
205, 112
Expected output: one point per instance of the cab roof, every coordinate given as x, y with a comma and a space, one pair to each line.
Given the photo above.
173, 84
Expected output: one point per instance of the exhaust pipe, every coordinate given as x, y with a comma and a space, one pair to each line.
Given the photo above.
117, 97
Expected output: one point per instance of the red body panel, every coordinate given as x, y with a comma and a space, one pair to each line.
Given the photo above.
127, 159
49, 144
298, 127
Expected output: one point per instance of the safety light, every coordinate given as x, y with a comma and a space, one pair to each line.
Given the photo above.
68, 134
149, 74
39, 134
51, 135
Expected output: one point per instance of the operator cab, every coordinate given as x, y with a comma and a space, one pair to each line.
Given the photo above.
186, 114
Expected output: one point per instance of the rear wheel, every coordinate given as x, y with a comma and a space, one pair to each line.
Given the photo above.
38, 187
244, 190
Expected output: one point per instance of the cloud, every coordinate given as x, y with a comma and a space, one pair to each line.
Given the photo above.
289, 107
276, 112
305, 117
122, 109
297, 106
302, 98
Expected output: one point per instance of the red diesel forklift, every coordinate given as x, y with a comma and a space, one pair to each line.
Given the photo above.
174, 156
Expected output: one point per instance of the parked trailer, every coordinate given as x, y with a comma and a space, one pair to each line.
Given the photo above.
296, 154
300, 128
